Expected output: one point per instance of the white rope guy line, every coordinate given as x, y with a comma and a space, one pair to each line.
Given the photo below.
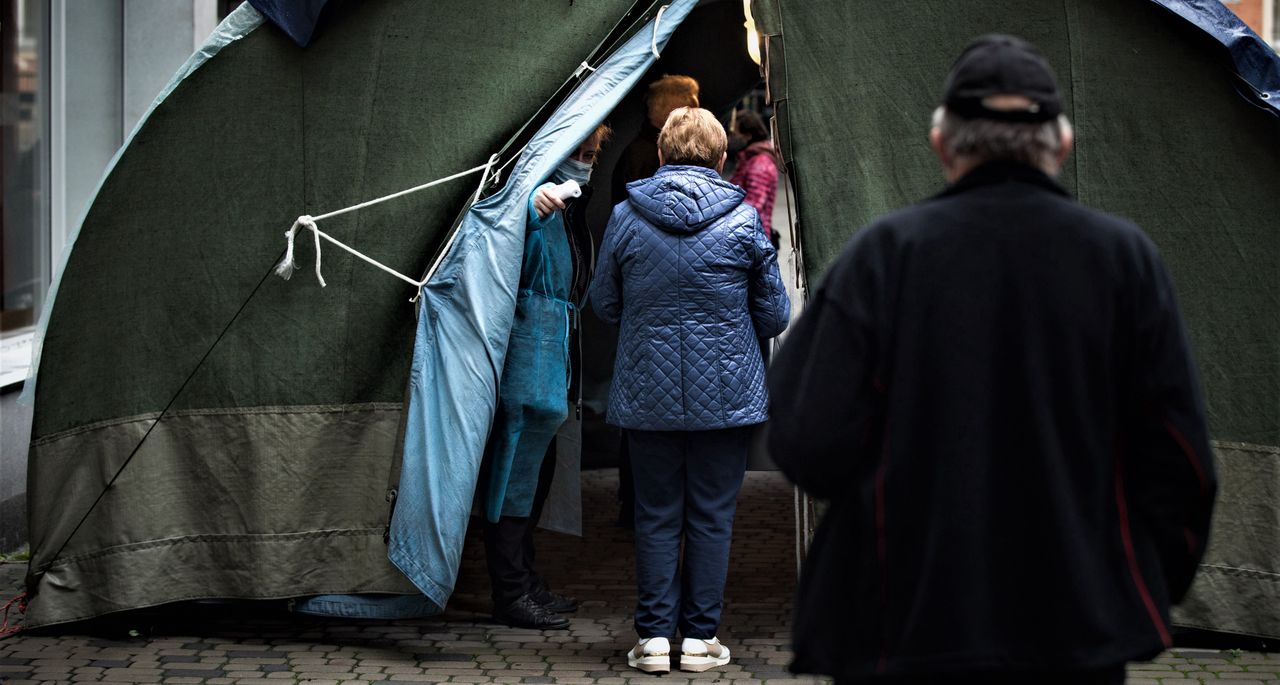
288, 265
657, 21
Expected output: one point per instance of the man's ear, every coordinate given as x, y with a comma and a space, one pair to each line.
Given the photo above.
660, 162
1068, 145
720, 164
935, 142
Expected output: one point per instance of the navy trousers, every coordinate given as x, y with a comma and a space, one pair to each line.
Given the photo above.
686, 486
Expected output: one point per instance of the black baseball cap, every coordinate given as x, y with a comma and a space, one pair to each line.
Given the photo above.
997, 64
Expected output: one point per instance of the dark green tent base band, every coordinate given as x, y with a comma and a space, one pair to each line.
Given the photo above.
231, 566
205, 479
1238, 588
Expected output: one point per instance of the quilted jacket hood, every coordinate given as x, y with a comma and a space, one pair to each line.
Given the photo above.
684, 199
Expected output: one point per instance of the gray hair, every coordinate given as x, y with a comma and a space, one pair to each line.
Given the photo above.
1037, 144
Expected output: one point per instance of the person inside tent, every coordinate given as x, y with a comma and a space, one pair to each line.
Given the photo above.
688, 276
520, 457
757, 169
640, 160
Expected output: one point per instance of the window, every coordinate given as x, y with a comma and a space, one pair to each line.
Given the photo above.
23, 166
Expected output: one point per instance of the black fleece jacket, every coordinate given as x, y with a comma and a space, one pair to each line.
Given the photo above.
995, 391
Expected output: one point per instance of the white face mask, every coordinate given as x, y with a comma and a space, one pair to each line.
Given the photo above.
572, 170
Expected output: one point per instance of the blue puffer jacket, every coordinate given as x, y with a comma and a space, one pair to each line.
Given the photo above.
688, 273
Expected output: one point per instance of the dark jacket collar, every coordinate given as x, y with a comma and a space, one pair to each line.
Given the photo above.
1001, 171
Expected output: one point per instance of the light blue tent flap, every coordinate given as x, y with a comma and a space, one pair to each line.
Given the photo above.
381, 606
465, 317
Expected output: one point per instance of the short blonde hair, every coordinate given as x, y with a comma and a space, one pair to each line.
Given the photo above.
692, 136
669, 92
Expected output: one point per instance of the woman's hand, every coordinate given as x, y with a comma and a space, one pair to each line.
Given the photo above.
544, 202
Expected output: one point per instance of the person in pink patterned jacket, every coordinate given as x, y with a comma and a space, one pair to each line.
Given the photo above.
757, 170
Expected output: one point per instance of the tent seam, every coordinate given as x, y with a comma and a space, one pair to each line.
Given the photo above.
253, 538
239, 411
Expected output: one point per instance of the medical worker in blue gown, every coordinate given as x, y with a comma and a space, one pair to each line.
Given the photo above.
538, 383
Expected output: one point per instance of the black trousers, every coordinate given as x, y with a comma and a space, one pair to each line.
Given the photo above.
508, 542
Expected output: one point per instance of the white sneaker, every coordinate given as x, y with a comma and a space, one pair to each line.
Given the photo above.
651, 655
699, 655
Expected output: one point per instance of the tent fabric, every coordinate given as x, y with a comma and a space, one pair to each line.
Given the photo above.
1163, 139
463, 326
282, 402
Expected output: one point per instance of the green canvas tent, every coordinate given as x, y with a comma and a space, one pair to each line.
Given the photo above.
205, 430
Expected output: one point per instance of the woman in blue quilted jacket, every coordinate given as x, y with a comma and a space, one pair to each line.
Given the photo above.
690, 277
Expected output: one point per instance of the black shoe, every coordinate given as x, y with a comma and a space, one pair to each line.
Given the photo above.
526, 612
554, 602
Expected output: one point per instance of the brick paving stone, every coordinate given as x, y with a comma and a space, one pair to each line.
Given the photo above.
194, 672
110, 663
256, 654
129, 675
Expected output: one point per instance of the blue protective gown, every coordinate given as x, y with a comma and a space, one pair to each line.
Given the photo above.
534, 387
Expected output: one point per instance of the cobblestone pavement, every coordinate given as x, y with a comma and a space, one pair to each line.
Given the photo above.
256, 645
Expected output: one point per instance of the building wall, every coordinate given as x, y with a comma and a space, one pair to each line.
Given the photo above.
1261, 15
1248, 10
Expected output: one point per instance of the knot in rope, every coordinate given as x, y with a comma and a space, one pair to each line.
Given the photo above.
289, 264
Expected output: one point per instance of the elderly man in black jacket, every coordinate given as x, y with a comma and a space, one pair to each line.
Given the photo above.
994, 390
